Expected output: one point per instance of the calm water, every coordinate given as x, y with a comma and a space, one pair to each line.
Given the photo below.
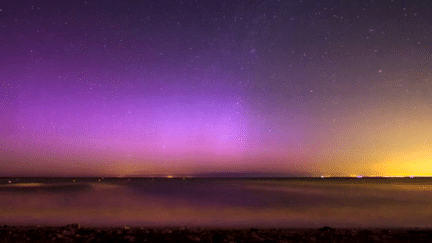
218, 202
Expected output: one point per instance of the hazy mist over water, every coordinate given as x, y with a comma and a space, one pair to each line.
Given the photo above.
218, 202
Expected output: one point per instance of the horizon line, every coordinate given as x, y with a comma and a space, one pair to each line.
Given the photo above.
213, 177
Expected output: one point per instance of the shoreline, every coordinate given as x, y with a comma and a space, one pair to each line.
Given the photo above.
79, 233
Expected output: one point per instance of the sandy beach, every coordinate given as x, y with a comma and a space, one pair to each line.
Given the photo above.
78, 233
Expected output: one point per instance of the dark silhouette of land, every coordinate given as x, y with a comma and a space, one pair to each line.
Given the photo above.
77, 233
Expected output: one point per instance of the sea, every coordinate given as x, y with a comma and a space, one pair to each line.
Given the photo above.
218, 202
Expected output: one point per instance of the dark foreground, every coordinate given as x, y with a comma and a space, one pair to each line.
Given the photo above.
75, 233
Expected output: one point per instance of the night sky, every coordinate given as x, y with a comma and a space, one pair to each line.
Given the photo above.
305, 88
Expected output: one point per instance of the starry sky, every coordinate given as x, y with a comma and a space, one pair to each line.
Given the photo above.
305, 88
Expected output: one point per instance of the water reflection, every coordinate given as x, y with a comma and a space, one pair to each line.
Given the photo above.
214, 202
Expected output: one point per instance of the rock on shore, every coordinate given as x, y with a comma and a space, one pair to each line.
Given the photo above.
77, 233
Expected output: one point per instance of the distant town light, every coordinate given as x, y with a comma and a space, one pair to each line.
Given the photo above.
359, 176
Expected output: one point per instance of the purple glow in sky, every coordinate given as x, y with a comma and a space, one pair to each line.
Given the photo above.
161, 87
